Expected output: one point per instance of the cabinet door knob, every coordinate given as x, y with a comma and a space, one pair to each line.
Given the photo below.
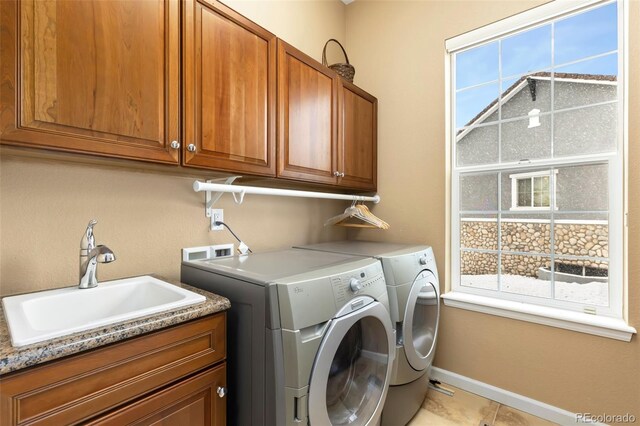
222, 391
342, 174
175, 144
191, 148
336, 173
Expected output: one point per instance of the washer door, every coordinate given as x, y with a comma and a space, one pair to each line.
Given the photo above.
351, 372
420, 325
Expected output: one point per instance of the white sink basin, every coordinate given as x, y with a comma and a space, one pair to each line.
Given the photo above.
44, 315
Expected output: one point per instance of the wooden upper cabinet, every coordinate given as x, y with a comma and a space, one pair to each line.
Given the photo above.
229, 81
91, 76
307, 117
357, 153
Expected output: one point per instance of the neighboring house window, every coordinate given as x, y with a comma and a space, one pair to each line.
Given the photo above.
531, 191
536, 141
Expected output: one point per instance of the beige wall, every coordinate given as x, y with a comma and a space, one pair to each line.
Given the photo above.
307, 24
146, 218
397, 48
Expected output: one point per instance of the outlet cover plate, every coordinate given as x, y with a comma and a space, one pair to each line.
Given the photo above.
217, 215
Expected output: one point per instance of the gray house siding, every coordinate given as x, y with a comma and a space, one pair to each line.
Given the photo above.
595, 125
584, 130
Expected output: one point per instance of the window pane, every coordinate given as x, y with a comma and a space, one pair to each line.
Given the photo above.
521, 142
479, 270
582, 281
582, 188
479, 192
530, 91
524, 192
603, 65
471, 105
479, 232
541, 183
508, 84
581, 235
526, 234
588, 130
477, 65
526, 52
522, 275
586, 34
541, 191
586, 83
541, 199
477, 145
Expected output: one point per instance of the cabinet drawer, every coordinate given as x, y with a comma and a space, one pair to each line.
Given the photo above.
193, 402
81, 386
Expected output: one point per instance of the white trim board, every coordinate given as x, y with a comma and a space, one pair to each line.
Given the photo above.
505, 397
598, 325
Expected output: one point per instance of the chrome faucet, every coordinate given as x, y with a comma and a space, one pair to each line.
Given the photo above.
90, 256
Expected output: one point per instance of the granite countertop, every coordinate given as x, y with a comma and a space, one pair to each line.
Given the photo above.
12, 358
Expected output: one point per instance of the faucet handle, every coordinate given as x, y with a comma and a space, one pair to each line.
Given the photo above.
88, 241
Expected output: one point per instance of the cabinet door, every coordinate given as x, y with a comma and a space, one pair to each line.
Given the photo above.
75, 388
229, 77
307, 126
192, 402
358, 138
91, 76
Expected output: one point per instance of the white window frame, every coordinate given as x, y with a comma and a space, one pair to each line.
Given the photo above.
530, 175
608, 322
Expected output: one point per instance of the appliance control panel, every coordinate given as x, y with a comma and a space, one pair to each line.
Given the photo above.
365, 282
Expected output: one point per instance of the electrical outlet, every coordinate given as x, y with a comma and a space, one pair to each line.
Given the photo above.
216, 215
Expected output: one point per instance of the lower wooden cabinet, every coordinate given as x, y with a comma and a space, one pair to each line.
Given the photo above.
197, 401
169, 376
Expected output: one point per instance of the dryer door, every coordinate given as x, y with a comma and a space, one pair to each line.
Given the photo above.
352, 369
420, 325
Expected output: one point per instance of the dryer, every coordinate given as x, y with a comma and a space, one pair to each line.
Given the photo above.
412, 283
310, 339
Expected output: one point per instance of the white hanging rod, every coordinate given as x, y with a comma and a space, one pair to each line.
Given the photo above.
242, 190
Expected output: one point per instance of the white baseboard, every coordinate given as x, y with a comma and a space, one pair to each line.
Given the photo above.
519, 402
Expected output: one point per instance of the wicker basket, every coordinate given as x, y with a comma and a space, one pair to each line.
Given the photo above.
346, 71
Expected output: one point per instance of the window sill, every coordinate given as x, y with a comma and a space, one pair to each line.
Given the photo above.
611, 328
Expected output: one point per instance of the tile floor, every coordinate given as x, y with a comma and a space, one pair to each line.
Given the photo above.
464, 408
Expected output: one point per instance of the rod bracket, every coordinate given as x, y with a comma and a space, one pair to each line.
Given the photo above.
210, 198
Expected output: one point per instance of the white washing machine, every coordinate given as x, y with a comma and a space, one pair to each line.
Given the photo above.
310, 340
412, 282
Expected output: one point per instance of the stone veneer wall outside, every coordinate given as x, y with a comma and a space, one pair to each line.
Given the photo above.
573, 239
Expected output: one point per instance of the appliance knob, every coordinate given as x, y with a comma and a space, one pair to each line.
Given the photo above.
423, 260
355, 285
